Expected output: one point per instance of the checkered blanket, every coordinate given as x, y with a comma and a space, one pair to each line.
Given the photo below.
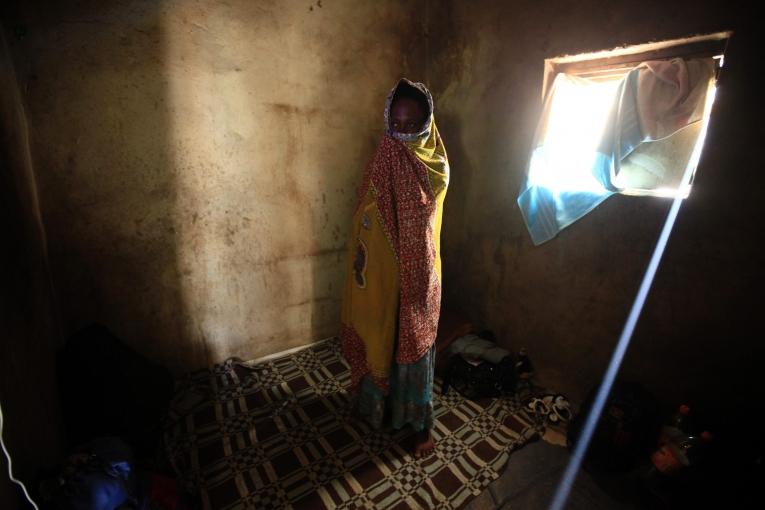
281, 434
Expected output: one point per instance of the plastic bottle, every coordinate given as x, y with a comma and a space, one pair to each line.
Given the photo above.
523, 366
680, 418
694, 447
680, 453
676, 429
668, 459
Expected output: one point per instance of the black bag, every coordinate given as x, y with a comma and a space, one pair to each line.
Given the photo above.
485, 379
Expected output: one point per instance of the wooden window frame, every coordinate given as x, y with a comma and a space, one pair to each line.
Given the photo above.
622, 60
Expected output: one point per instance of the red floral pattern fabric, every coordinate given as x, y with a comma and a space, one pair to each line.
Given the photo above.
407, 208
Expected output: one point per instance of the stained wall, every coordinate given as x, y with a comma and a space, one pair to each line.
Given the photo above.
196, 165
197, 162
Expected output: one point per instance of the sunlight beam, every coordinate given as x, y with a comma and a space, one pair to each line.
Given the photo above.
569, 476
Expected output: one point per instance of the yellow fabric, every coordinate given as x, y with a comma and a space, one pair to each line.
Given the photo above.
432, 153
373, 310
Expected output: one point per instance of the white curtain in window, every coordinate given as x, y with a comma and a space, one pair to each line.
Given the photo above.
589, 127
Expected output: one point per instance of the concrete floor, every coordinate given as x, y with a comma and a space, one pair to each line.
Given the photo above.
532, 474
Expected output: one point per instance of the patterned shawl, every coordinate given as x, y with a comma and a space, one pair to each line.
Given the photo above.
402, 176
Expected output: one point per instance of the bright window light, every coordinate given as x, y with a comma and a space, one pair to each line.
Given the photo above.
628, 121
685, 187
577, 118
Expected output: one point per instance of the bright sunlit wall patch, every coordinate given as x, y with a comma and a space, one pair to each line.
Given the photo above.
627, 121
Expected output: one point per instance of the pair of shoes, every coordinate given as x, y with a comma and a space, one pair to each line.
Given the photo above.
555, 408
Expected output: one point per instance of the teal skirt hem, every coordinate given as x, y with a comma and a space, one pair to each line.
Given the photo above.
410, 397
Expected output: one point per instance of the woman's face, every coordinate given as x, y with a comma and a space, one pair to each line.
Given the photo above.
406, 116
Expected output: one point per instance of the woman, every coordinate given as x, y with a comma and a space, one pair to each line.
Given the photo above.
392, 293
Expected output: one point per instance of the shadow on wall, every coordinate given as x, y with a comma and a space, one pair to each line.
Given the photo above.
198, 163
460, 179
28, 319
95, 84
272, 110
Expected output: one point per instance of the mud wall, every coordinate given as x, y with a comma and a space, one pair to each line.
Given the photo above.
197, 161
196, 165
568, 299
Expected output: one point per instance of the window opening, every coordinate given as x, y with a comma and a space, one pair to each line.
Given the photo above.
627, 121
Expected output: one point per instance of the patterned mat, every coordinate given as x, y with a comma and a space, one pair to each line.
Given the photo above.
281, 434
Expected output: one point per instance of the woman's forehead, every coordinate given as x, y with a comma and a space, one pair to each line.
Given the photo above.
407, 105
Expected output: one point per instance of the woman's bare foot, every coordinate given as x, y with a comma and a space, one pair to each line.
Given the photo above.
423, 444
